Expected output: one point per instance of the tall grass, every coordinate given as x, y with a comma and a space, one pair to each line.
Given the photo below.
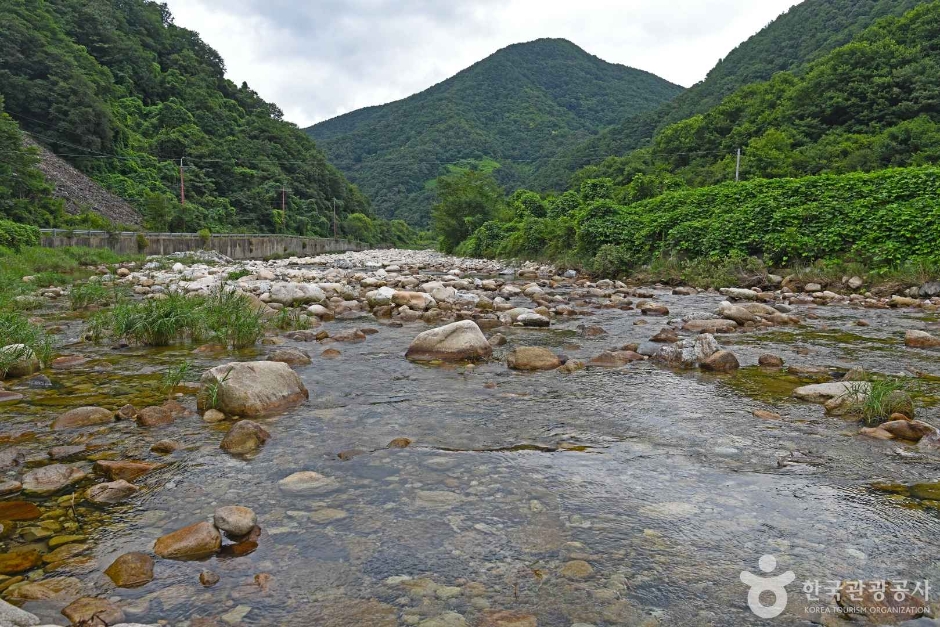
15, 329
883, 399
225, 317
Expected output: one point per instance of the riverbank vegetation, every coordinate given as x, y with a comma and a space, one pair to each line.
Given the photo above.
839, 168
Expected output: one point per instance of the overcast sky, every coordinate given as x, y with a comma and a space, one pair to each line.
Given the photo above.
320, 58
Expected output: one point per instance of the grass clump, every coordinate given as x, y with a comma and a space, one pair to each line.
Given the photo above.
90, 293
225, 317
234, 275
174, 375
885, 398
15, 329
290, 320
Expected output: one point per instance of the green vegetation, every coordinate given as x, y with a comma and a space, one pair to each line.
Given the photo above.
174, 375
15, 329
224, 317
290, 320
81, 295
844, 126
521, 104
886, 397
48, 267
806, 32
15, 236
123, 93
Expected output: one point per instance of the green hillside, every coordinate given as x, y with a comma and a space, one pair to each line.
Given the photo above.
839, 162
518, 106
124, 94
806, 32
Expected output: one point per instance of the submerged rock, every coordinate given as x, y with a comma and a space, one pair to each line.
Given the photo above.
252, 389
711, 326
532, 358
154, 417
459, 341
307, 482
192, 542
93, 612
83, 417
127, 470
131, 570
110, 493
50, 479
244, 437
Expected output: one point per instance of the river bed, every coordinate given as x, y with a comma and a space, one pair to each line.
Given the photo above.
628, 496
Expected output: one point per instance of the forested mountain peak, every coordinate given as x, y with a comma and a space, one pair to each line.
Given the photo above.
806, 32
127, 96
506, 112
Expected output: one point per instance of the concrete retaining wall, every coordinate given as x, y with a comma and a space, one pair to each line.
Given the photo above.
234, 246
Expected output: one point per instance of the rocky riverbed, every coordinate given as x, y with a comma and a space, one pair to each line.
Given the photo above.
445, 442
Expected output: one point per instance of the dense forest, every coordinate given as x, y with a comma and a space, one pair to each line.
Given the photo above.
503, 114
125, 95
806, 32
839, 162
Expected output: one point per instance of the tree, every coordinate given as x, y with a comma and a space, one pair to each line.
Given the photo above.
466, 199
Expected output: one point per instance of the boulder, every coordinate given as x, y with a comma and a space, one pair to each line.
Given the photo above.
290, 356
244, 437
711, 326
83, 417
289, 294
131, 570
127, 470
19, 561
192, 542
154, 417
770, 361
110, 493
307, 482
12, 616
735, 293
251, 389
823, 392
921, 339
235, 520
910, 430
50, 479
737, 313
24, 361
722, 361
532, 358
688, 353
416, 301
532, 319
614, 359
93, 612
380, 297
458, 341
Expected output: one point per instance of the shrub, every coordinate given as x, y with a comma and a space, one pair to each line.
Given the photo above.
16, 236
205, 235
142, 243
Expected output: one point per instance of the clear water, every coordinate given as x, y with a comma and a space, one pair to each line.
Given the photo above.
664, 482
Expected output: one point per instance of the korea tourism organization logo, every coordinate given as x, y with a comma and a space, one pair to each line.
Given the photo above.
767, 595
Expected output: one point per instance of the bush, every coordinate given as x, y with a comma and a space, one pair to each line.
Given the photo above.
142, 243
205, 235
16, 236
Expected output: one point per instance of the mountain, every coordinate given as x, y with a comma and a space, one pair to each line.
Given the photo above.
122, 93
522, 104
840, 164
806, 32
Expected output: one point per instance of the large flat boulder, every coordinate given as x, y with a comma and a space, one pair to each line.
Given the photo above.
822, 392
83, 417
50, 479
459, 341
252, 389
532, 358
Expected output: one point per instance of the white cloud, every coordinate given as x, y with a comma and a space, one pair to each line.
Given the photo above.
322, 58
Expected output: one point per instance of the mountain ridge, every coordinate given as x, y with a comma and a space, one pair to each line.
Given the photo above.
521, 103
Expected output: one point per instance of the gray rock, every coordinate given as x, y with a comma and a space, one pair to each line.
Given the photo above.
235, 520
929, 290
12, 616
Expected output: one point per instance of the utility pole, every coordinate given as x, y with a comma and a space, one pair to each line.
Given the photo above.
182, 184
737, 169
284, 206
334, 218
